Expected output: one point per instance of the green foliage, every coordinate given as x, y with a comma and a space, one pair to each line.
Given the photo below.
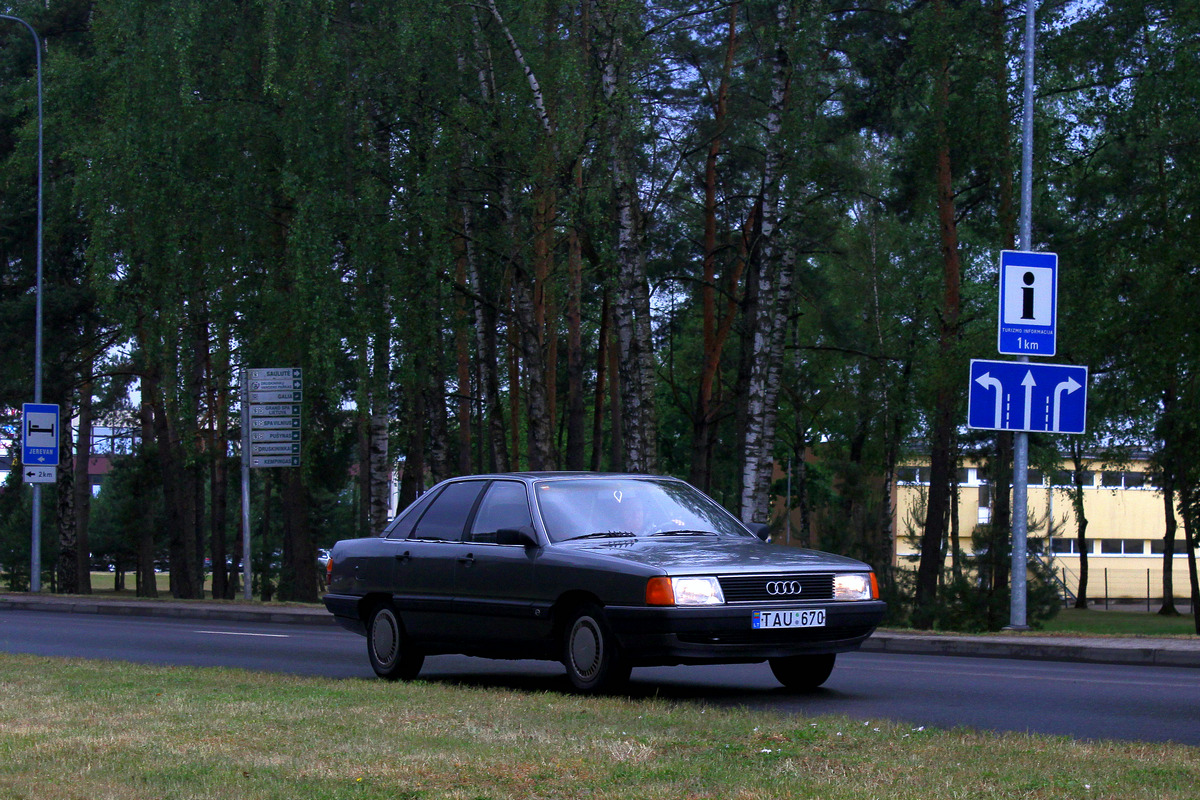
346, 188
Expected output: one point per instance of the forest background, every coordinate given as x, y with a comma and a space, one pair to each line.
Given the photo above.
698, 239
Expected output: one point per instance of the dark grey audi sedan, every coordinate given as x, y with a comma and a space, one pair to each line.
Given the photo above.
601, 572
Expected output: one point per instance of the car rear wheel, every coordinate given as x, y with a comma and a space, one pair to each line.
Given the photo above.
391, 654
803, 673
590, 652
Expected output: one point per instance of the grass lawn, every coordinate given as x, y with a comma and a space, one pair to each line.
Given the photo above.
91, 729
1107, 623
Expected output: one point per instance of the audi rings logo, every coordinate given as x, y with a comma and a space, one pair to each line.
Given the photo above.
779, 588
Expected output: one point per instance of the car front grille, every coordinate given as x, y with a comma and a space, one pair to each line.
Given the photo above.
786, 588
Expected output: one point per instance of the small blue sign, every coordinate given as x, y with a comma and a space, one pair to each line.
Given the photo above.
39, 434
1028, 303
1023, 396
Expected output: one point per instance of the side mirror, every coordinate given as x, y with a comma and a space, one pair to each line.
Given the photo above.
521, 536
760, 530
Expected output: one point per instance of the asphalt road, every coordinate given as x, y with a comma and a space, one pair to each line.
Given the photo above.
1085, 701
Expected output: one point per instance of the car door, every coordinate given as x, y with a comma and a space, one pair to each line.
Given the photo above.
425, 564
494, 581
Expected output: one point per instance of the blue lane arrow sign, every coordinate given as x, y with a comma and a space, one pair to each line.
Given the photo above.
1021, 396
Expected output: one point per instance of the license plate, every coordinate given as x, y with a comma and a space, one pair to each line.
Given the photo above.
809, 618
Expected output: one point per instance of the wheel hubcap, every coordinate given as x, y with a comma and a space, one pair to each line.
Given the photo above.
384, 638
586, 649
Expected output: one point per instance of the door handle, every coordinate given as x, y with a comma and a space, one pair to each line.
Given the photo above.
469, 558
402, 557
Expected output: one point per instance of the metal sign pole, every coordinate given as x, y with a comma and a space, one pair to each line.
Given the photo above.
35, 560
246, 582
1017, 599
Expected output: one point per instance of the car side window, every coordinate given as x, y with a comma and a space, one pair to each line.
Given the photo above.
447, 516
504, 506
403, 524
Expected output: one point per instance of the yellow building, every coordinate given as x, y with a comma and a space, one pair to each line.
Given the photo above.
1126, 523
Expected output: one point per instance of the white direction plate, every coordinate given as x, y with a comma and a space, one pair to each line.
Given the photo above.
39, 474
274, 461
282, 410
274, 423
276, 385
275, 397
274, 372
275, 436
275, 448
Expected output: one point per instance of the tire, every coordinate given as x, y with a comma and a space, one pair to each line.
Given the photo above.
803, 673
591, 654
391, 654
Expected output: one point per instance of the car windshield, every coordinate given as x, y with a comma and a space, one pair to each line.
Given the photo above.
598, 507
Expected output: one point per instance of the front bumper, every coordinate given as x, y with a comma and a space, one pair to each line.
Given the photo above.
723, 634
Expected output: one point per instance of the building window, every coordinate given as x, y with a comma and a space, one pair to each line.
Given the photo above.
1123, 480
1135, 480
1070, 546
1065, 478
1119, 547
911, 475
1158, 547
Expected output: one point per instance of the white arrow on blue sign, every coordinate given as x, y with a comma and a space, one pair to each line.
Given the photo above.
1022, 396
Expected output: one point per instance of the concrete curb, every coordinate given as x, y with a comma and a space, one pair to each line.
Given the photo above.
1161, 652
179, 609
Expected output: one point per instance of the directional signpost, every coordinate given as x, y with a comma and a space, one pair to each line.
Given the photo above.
1020, 396
1028, 303
274, 402
39, 442
270, 434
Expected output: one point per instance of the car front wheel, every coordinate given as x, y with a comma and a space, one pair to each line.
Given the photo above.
803, 673
590, 653
392, 657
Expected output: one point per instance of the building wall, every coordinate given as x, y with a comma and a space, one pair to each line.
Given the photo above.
1126, 523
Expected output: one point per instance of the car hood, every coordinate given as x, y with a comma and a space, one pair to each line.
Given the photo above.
710, 554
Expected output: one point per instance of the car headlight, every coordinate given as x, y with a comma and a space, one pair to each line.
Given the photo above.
684, 591
855, 586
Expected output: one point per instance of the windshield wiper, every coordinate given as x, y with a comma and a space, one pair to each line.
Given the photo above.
603, 535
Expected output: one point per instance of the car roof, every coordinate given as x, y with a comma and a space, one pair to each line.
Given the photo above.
558, 475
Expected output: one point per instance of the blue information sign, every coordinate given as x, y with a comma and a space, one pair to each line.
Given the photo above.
39, 434
1028, 303
1022, 396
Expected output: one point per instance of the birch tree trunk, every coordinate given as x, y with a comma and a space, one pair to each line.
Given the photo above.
487, 352
67, 567
83, 483
219, 402
379, 502
631, 311
774, 296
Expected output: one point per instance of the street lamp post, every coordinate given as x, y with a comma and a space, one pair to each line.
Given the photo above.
35, 563
1018, 608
